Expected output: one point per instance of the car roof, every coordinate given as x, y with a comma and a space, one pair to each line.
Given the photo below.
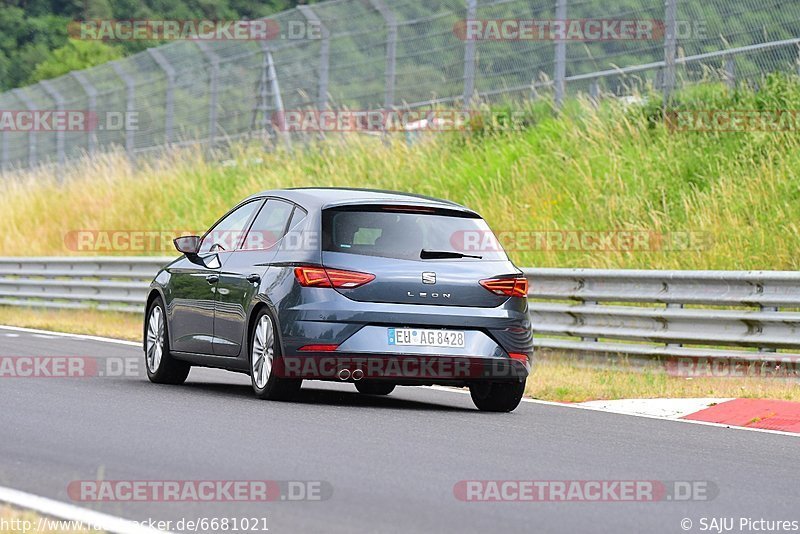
327, 197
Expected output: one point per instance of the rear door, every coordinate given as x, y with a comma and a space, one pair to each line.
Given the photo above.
241, 274
419, 255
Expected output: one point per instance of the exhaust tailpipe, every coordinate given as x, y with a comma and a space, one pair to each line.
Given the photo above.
344, 374
358, 374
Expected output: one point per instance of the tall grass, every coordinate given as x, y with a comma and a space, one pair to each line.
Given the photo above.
610, 168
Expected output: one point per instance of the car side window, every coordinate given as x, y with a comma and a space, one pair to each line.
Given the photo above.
269, 225
227, 233
297, 217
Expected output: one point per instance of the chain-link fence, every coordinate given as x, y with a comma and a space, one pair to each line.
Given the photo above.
376, 54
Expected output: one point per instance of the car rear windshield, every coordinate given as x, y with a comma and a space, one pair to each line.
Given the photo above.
403, 233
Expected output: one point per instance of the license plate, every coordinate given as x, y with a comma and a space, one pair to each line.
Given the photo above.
422, 337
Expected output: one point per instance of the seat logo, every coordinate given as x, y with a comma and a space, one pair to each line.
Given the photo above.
428, 278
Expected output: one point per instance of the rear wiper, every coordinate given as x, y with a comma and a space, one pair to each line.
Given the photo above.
442, 254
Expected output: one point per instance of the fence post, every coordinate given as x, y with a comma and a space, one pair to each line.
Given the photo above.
560, 73
469, 55
391, 50
130, 106
169, 104
277, 100
53, 93
670, 47
730, 73
20, 94
324, 55
213, 90
594, 91
91, 108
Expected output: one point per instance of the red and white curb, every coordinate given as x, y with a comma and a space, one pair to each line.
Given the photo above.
752, 414
666, 408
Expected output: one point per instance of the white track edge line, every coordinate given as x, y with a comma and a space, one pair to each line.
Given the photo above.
69, 512
74, 336
444, 388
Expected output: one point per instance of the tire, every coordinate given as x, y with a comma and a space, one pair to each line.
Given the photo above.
497, 396
372, 387
264, 351
161, 367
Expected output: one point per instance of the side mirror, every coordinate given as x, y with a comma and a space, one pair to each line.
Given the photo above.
188, 245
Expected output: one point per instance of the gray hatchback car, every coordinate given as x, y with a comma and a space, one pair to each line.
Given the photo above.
376, 288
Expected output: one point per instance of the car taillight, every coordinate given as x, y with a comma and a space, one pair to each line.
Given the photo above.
509, 287
337, 278
519, 356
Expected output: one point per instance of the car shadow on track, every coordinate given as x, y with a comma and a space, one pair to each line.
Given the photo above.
309, 395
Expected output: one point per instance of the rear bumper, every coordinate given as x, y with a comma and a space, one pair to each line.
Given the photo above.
401, 368
359, 332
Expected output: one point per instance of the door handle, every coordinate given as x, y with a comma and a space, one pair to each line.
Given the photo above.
254, 278
212, 278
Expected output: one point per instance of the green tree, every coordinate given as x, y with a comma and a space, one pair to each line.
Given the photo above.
74, 55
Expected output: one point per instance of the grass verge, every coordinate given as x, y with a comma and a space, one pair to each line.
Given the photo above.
555, 377
563, 379
95, 323
697, 199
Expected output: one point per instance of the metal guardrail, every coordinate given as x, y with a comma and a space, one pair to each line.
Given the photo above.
104, 283
733, 314
729, 314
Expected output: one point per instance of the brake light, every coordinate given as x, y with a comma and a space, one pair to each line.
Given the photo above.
519, 356
409, 209
509, 287
337, 278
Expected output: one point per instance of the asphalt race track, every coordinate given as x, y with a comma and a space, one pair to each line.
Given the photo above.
392, 462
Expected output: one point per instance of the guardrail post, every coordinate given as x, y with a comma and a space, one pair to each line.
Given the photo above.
23, 97
469, 56
130, 106
670, 47
589, 303
213, 59
560, 74
169, 97
324, 55
91, 108
391, 50
53, 93
674, 306
768, 309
